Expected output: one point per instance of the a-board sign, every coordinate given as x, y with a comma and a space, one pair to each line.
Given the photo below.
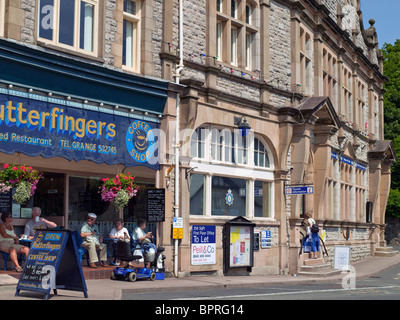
52, 264
155, 205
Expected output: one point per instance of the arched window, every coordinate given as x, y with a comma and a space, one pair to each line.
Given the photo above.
261, 158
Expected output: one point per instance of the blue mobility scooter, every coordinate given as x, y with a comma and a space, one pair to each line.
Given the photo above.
155, 271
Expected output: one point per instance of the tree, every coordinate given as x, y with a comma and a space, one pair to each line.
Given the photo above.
391, 69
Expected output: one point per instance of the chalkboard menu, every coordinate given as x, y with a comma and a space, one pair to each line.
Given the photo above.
52, 263
5, 202
155, 205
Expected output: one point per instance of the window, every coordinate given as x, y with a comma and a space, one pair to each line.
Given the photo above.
219, 5
306, 66
234, 9
219, 40
225, 182
69, 23
249, 40
234, 46
330, 77
262, 199
261, 158
197, 143
249, 11
236, 33
131, 39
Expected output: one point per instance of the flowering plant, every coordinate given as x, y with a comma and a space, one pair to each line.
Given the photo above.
119, 189
23, 178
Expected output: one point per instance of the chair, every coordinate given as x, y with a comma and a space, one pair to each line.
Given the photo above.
81, 250
5, 258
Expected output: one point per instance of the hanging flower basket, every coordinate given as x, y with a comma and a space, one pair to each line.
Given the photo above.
23, 178
118, 190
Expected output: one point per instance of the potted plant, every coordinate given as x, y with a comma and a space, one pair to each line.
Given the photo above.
118, 190
23, 178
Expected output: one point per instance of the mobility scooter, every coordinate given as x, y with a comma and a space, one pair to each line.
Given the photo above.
155, 271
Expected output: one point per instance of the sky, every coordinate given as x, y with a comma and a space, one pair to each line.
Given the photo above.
386, 16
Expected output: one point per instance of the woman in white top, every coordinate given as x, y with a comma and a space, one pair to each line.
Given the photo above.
9, 242
119, 232
311, 243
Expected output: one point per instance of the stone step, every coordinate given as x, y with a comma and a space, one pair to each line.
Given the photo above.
320, 274
316, 267
384, 249
385, 252
310, 262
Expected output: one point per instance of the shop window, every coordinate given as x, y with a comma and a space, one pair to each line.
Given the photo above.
84, 197
131, 32
197, 194
262, 199
69, 23
228, 196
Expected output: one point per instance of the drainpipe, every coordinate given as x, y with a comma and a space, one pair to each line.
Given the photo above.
178, 70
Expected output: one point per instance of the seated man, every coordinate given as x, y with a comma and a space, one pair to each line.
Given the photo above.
144, 238
37, 222
92, 242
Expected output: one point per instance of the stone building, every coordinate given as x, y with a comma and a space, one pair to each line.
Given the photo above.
303, 74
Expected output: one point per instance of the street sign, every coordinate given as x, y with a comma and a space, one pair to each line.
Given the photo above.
177, 228
299, 190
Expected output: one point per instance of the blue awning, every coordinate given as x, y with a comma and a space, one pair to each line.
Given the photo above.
39, 68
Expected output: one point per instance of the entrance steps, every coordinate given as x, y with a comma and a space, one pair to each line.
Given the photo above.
317, 268
385, 252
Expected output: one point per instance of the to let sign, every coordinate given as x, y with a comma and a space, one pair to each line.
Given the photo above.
203, 245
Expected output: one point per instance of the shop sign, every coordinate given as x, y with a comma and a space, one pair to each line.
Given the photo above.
43, 126
203, 248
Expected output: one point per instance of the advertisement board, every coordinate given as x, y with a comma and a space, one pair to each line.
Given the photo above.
203, 248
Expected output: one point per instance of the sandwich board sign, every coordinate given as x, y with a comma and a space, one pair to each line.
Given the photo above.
52, 264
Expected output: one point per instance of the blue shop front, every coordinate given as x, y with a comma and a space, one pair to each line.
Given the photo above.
78, 123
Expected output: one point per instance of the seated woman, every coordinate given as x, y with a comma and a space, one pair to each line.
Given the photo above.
9, 242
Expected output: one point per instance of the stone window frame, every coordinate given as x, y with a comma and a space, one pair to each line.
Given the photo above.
137, 21
76, 46
330, 76
243, 54
2, 16
306, 46
203, 142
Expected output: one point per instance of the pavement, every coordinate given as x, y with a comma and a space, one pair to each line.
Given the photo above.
113, 289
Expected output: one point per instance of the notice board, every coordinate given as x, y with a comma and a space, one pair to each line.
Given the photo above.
5, 202
52, 264
155, 205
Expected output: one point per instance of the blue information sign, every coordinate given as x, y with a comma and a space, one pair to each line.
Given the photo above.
299, 190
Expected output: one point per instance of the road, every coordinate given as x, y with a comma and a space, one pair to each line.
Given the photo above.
383, 286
